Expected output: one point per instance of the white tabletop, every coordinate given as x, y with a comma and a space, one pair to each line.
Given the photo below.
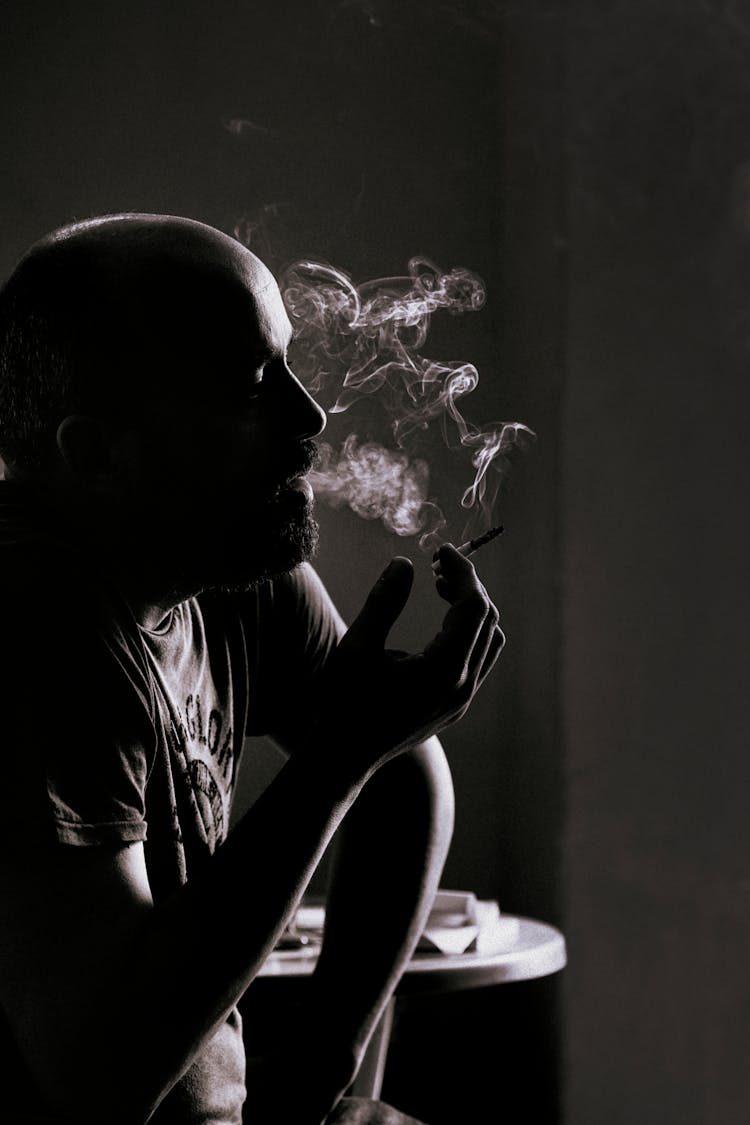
538, 951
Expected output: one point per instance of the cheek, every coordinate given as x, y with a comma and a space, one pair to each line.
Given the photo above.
176, 470
166, 471
240, 457
216, 462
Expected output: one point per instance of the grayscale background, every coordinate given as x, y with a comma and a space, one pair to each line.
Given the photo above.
591, 163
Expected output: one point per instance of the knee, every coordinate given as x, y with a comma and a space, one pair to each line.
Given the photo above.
431, 780
416, 791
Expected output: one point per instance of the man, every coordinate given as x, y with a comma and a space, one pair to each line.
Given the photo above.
156, 605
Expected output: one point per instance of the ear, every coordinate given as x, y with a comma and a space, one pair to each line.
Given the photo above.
89, 450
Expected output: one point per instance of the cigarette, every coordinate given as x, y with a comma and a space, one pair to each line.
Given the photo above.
473, 545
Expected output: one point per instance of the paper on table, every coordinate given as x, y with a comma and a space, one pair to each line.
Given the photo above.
461, 923
457, 923
497, 931
310, 917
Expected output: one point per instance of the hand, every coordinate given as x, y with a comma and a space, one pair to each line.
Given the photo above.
377, 701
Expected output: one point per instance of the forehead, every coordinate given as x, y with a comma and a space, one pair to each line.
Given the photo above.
198, 315
220, 307
266, 312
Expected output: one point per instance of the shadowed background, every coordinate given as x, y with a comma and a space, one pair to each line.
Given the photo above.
589, 162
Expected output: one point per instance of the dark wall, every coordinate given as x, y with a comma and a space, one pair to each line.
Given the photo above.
657, 915
361, 133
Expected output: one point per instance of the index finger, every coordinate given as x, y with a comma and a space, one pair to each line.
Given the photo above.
451, 650
455, 574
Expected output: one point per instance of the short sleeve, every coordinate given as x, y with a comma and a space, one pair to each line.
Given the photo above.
291, 631
95, 778
77, 739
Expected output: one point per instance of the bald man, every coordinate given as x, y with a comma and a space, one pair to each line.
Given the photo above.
157, 605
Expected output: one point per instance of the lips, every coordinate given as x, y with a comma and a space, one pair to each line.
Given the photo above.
303, 486
291, 473
295, 467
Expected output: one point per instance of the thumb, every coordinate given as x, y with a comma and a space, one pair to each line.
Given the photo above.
384, 603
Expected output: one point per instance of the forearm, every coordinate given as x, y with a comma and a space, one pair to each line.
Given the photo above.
392, 837
149, 1008
229, 919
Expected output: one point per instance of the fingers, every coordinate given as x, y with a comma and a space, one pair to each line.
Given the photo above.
384, 604
455, 575
487, 650
470, 640
480, 668
488, 647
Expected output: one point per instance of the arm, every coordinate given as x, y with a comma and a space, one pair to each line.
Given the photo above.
111, 998
122, 994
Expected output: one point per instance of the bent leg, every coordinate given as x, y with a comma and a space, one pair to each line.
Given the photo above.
386, 863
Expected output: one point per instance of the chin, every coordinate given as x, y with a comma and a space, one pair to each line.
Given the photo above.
274, 550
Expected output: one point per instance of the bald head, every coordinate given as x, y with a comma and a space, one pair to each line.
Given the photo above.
102, 314
127, 249
144, 383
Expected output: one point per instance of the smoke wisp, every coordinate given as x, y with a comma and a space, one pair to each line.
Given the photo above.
354, 342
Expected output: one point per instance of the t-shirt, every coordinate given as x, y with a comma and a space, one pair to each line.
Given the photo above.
112, 734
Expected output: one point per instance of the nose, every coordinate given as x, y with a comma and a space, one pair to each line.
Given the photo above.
301, 417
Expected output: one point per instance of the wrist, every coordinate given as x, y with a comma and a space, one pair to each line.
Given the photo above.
345, 760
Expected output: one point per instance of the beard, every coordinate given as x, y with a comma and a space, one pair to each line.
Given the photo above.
255, 529
273, 536
276, 542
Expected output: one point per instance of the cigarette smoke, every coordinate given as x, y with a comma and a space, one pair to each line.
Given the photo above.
377, 483
240, 126
355, 342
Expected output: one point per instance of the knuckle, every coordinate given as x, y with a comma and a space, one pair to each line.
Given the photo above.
471, 569
464, 688
458, 677
459, 680
478, 602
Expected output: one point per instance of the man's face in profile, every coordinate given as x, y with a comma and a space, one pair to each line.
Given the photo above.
215, 487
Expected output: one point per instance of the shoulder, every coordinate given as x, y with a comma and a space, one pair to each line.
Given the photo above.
303, 586
63, 629
300, 606
292, 627
299, 595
